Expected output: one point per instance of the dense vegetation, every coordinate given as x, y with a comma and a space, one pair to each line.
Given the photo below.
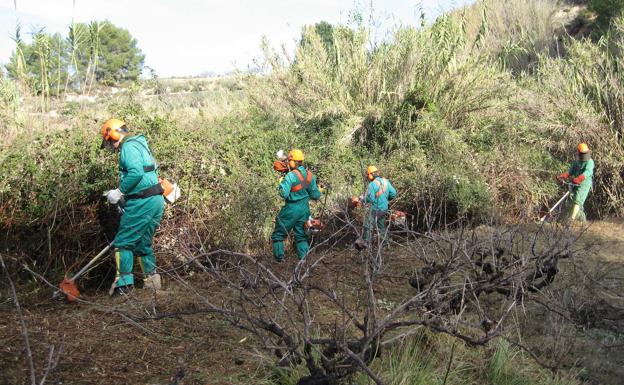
478, 110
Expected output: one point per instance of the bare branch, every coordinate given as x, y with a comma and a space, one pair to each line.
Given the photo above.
18, 310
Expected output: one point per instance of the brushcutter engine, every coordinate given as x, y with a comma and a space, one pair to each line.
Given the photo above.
353, 203
281, 164
398, 218
171, 191
313, 226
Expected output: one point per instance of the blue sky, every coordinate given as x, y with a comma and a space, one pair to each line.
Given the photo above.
188, 37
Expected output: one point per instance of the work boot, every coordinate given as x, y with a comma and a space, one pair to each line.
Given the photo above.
152, 282
122, 291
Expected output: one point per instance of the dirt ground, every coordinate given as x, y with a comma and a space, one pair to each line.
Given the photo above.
589, 334
100, 346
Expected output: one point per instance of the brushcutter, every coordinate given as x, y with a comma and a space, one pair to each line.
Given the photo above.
315, 226
68, 285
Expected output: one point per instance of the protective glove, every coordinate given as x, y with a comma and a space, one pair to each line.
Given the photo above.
321, 188
579, 179
280, 180
563, 176
362, 199
114, 196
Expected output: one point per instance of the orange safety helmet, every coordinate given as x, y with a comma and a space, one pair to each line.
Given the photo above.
293, 156
112, 130
583, 148
370, 170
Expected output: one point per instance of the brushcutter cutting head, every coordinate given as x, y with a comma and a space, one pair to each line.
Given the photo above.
360, 244
70, 289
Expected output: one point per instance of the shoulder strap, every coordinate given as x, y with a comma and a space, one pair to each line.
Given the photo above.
302, 183
382, 187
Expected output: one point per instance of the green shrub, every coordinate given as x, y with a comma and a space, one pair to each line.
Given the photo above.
607, 10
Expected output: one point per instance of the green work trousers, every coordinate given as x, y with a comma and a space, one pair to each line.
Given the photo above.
291, 217
579, 196
134, 237
375, 220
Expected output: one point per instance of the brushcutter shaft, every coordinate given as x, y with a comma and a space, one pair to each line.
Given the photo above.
555, 206
91, 262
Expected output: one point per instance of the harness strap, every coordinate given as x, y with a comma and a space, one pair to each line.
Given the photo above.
156, 189
302, 183
149, 168
382, 187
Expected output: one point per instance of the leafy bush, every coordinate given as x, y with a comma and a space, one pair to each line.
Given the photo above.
606, 10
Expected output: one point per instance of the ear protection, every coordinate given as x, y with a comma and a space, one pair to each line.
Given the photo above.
291, 163
112, 135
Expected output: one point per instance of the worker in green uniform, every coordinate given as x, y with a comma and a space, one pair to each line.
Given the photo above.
297, 187
378, 193
140, 195
580, 175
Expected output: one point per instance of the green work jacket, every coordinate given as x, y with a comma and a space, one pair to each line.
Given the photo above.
137, 167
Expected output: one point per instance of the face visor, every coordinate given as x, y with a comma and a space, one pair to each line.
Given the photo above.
108, 144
